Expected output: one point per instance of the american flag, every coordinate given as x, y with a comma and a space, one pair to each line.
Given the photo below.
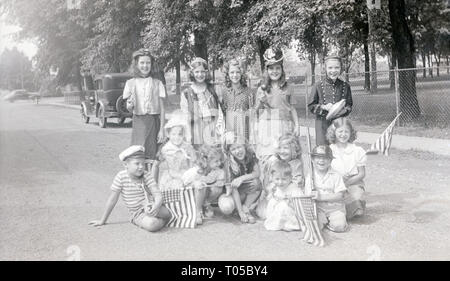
383, 143
305, 206
306, 213
181, 204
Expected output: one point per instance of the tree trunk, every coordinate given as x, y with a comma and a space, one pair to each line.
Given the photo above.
200, 46
312, 61
391, 62
430, 65
372, 53
178, 77
438, 63
448, 67
79, 80
366, 66
373, 69
404, 50
424, 62
262, 47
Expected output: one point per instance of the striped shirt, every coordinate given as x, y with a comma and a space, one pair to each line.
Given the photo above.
133, 193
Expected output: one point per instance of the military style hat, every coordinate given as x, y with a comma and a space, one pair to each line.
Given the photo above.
134, 151
322, 151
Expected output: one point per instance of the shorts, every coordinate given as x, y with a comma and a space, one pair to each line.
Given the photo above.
140, 215
334, 219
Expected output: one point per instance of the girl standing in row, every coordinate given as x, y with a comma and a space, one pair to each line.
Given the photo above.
145, 98
201, 105
327, 92
274, 107
237, 99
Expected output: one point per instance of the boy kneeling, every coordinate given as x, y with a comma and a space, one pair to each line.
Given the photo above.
139, 191
331, 190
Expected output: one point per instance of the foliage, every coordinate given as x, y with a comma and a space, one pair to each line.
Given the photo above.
15, 67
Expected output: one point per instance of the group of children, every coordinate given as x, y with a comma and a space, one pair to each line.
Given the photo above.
255, 159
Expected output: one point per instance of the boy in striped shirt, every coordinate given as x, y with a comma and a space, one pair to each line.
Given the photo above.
139, 192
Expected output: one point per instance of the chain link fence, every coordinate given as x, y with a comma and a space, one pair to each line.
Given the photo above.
423, 99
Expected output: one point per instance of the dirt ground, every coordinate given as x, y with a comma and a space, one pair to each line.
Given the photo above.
55, 174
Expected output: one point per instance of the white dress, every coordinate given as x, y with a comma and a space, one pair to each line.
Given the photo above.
279, 213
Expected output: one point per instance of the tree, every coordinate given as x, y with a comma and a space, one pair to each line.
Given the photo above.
114, 33
59, 36
167, 34
16, 70
405, 53
430, 22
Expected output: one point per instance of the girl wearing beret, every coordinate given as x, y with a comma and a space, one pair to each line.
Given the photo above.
145, 98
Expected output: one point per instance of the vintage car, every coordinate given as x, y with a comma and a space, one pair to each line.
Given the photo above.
105, 100
22, 94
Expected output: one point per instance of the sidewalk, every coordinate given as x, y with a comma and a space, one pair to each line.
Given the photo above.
437, 146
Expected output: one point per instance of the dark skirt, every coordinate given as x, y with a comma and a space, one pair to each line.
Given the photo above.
145, 132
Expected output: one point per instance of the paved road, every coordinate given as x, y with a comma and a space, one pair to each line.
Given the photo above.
55, 174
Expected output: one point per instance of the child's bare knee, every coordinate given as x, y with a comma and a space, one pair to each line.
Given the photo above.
356, 192
152, 224
215, 192
338, 222
338, 227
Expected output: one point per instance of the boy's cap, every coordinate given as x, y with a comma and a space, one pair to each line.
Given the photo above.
141, 52
134, 151
273, 56
322, 150
196, 61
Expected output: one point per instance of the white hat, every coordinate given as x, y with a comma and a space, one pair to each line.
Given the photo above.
177, 119
137, 151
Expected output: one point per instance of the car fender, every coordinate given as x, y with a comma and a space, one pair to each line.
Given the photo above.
87, 107
97, 107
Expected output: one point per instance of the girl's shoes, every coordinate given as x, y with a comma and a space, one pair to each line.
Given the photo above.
251, 218
243, 217
199, 219
209, 212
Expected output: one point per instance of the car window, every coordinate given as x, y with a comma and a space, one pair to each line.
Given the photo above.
98, 84
120, 83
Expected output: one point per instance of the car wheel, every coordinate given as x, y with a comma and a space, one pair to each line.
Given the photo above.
121, 107
84, 117
121, 120
101, 119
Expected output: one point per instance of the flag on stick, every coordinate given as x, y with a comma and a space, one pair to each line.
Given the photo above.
305, 206
383, 143
182, 207
306, 213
